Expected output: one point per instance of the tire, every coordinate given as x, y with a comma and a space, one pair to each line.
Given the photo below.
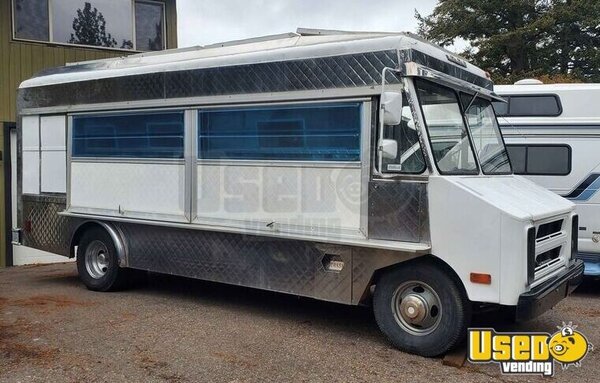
399, 304
98, 263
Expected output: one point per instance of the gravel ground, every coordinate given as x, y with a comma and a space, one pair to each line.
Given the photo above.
179, 330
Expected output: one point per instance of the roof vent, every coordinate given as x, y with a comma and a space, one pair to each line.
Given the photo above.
529, 81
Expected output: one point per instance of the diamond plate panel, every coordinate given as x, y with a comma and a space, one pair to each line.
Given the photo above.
398, 211
43, 228
346, 71
293, 267
362, 69
365, 262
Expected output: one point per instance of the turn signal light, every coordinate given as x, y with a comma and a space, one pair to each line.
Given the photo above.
483, 279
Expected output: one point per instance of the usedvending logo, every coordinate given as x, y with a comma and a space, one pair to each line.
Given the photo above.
529, 353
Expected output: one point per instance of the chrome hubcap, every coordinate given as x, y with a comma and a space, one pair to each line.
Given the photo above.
417, 308
96, 259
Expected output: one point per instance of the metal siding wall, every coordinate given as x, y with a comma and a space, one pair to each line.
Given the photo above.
21, 60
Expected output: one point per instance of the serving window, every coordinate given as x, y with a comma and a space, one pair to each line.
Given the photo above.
311, 132
139, 135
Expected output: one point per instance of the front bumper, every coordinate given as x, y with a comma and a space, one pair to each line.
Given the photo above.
592, 264
545, 296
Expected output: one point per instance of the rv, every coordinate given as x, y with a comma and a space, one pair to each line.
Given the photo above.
552, 133
346, 167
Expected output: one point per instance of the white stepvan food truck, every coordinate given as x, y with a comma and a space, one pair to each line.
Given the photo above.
332, 165
552, 134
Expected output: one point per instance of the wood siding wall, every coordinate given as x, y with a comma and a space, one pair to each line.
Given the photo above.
21, 60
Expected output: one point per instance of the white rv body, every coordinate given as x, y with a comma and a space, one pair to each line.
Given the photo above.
576, 127
269, 164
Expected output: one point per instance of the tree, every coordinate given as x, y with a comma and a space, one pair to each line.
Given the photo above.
515, 39
127, 44
90, 28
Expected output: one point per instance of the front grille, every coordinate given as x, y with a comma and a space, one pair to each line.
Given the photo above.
549, 229
547, 257
548, 247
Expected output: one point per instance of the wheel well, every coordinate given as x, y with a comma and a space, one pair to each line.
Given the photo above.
108, 228
78, 233
429, 259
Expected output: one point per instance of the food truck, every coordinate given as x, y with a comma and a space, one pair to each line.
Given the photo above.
346, 167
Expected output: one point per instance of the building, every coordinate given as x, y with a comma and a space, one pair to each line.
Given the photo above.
40, 34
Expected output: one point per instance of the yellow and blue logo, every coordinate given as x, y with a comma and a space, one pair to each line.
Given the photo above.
529, 353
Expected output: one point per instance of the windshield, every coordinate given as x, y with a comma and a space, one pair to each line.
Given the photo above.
448, 134
487, 139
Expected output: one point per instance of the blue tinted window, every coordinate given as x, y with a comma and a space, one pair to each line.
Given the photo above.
328, 132
148, 135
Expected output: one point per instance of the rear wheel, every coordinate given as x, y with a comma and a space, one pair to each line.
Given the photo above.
421, 309
98, 262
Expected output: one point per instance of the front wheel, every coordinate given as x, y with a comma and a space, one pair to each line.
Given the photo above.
421, 309
98, 263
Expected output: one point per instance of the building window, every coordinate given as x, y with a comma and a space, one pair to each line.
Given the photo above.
149, 26
529, 106
139, 135
324, 132
540, 160
102, 23
31, 19
97, 23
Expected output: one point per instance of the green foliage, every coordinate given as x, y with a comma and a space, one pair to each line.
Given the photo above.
90, 28
515, 39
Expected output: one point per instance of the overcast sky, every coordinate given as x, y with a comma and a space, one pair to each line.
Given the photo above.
206, 22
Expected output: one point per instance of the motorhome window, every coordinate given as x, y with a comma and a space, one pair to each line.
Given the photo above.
501, 108
534, 106
518, 158
541, 160
117, 24
446, 127
309, 132
486, 135
529, 106
410, 156
139, 135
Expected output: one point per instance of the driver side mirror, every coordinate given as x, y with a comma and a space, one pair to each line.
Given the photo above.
389, 149
391, 103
